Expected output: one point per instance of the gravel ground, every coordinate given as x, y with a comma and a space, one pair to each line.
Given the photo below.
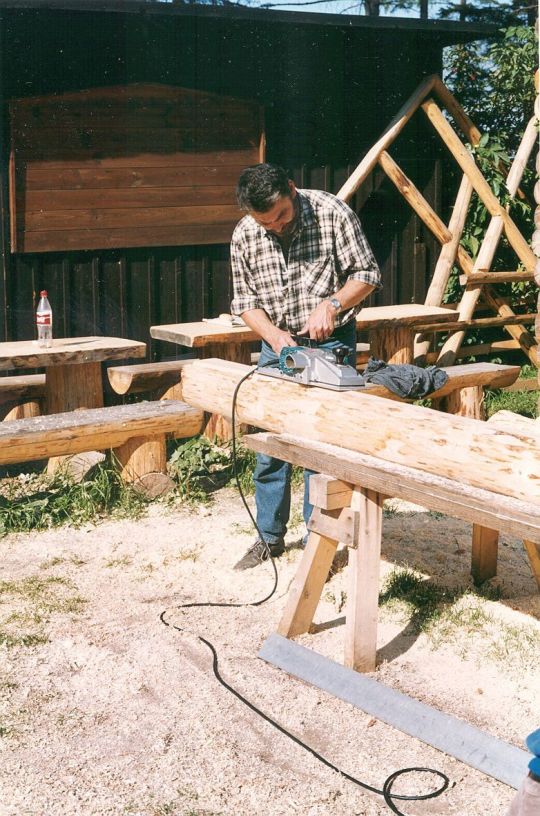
106, 711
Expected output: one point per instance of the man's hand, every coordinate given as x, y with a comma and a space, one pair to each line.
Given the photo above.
320, 324
279, 339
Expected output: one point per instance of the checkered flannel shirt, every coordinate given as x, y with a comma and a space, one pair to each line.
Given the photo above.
328, 248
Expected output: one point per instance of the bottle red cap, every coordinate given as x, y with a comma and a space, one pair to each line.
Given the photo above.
43, 293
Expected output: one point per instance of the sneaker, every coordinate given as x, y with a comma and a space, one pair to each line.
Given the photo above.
258, 552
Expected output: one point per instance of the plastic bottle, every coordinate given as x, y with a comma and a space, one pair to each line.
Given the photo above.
44, 321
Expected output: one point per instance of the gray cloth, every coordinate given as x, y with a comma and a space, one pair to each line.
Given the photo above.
408, 381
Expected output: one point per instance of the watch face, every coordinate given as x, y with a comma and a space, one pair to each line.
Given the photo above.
335, 303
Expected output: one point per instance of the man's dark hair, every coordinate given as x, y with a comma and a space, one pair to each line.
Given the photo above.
260, 186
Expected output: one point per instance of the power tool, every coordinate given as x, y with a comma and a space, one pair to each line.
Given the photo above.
325, 368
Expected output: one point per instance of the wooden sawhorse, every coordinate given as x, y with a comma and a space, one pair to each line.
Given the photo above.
348, 508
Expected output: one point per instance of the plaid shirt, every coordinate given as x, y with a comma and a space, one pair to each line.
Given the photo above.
328, 248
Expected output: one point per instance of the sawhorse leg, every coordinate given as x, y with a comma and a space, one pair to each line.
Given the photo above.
353, 516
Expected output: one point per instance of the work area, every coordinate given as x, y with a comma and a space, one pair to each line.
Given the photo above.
269, 411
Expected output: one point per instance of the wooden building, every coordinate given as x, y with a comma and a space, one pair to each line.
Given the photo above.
125, 125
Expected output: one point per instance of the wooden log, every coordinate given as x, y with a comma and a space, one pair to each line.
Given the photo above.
21, 410
533, 551
494, 278
525, 339
445, 261
519, 519
467, 402
485, 544
394, 128
69, 387
482, 188
392, 344
414, 197
143, 462
96, 429
480, 322
458, 447
138, 379
20, 387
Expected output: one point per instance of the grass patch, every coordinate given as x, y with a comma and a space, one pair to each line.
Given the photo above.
460, 617
38, 502
27, 605
519, 402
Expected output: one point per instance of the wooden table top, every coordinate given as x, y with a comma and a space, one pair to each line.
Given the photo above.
202, 333
403, 315
68, 351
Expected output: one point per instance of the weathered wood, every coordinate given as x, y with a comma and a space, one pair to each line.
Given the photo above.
457, 447
20, 410
363, 583
95, 429
523, 384
27, 354
394, 128
514, 323
482, 188
445, 261
143, 462
519, 519
71, 387
494, 278
329, 493
199, 334
402, 315
137, 379
414, 198
393, 345
533, 551
69, 180
467, 402
486, 322
27, 386
485, 544
341, 524
307, 585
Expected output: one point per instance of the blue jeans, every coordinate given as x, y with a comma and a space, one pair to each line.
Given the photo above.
272, 477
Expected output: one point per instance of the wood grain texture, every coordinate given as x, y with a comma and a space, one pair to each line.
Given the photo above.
457, 447
22, 386
69, 350
96, 429
137, 379
520, 519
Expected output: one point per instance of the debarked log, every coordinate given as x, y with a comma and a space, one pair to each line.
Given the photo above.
466, 450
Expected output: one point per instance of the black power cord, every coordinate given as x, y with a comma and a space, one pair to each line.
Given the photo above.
386, 790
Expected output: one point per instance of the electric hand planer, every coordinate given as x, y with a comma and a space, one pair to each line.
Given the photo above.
325, 368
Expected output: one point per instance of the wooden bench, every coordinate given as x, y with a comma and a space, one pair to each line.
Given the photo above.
159, 379
22, 396
131, 431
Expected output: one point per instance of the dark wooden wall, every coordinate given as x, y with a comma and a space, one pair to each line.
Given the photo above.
328, 93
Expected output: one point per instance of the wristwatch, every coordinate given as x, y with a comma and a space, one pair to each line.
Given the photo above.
335, 303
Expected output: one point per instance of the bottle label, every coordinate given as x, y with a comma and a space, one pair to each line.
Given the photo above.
44, 319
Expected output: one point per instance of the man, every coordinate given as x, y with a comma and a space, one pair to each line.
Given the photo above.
301, 265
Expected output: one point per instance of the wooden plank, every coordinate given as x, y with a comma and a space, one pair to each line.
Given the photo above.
136, 379
58, 240
197, 334
21, 387
96, 177
533, 551
363, 583
27, 354
485, 543
95, 429
516, 518
176, 158
402, 314
140, 197
523, 384
515, 276
125, 218
329, 493
339, 525
455, 446
307, 586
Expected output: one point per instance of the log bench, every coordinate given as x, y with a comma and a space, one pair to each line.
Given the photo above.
159, 379
22, 396
136, 433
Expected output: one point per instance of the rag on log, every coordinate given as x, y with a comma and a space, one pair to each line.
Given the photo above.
466, 450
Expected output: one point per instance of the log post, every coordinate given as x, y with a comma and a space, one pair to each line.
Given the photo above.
393, 344
143, 463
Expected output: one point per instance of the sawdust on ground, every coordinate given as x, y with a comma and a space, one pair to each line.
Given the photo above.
110, 712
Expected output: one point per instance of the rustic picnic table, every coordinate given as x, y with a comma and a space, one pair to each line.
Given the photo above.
73, 367
391, 333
